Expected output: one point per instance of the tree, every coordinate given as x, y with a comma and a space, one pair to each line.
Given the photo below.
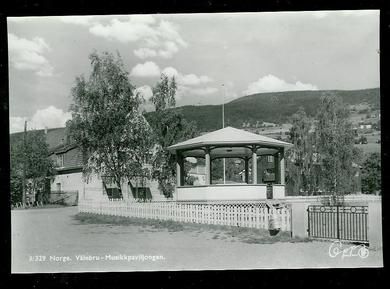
217, 169
301, 163
107, 123
169, 127
371, 174
38, 166
233, 168
335, 145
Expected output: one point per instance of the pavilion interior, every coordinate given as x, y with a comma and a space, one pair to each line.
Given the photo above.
235, 158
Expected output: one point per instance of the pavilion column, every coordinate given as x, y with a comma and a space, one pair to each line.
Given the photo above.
208, 166
179, 169
277, 168
211, 170
246, 170
282, 167
254, 165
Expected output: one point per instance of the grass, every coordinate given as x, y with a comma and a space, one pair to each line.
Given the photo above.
171, 226
245, 235
370, 147
250, 235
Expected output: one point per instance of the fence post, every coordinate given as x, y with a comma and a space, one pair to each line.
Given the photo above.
299, 220
338, 221
375, 224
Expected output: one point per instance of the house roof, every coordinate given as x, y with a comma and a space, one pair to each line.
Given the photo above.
229, 136
55, 137
62, 148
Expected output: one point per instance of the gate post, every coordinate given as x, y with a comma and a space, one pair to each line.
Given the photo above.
338, 222
299, 220
375, 224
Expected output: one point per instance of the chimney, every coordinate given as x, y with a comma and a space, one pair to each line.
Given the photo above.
45, 129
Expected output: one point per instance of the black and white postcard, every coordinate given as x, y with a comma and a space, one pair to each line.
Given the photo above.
166, 142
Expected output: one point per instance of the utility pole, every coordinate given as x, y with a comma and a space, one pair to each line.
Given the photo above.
223, 126
24, 165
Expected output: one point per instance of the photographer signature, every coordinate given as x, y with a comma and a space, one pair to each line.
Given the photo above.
336, 249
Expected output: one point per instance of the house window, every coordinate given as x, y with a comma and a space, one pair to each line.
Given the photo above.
60, 160
270, 159
58, 187
110, 188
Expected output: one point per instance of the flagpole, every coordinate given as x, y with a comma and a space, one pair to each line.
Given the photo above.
223, 126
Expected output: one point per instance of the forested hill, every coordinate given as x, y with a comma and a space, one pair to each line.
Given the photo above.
274, 107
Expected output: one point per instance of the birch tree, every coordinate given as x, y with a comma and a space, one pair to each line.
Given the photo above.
107, 122
335, 145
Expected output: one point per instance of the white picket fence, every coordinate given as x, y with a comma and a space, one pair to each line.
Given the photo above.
250, 215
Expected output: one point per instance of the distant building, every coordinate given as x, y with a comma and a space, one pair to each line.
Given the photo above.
365, 125
69, 182
68, 162
269, 124
355, 131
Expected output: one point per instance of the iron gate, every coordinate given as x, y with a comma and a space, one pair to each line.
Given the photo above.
347, 223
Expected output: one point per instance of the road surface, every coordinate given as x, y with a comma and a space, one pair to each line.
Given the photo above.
51, 240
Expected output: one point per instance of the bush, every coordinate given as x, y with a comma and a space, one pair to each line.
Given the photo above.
16, 190
371, 174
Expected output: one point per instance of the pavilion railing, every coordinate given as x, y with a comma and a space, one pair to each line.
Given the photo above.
258, 215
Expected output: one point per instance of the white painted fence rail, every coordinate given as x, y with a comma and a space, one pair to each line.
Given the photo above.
357, 198
250, 215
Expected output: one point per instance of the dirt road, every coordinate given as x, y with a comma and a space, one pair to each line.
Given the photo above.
51, 240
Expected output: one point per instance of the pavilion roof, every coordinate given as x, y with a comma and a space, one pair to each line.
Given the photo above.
229, 136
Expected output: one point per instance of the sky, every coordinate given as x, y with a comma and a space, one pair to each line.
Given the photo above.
214, 57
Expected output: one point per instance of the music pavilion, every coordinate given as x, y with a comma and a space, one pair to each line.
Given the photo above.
230, 142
